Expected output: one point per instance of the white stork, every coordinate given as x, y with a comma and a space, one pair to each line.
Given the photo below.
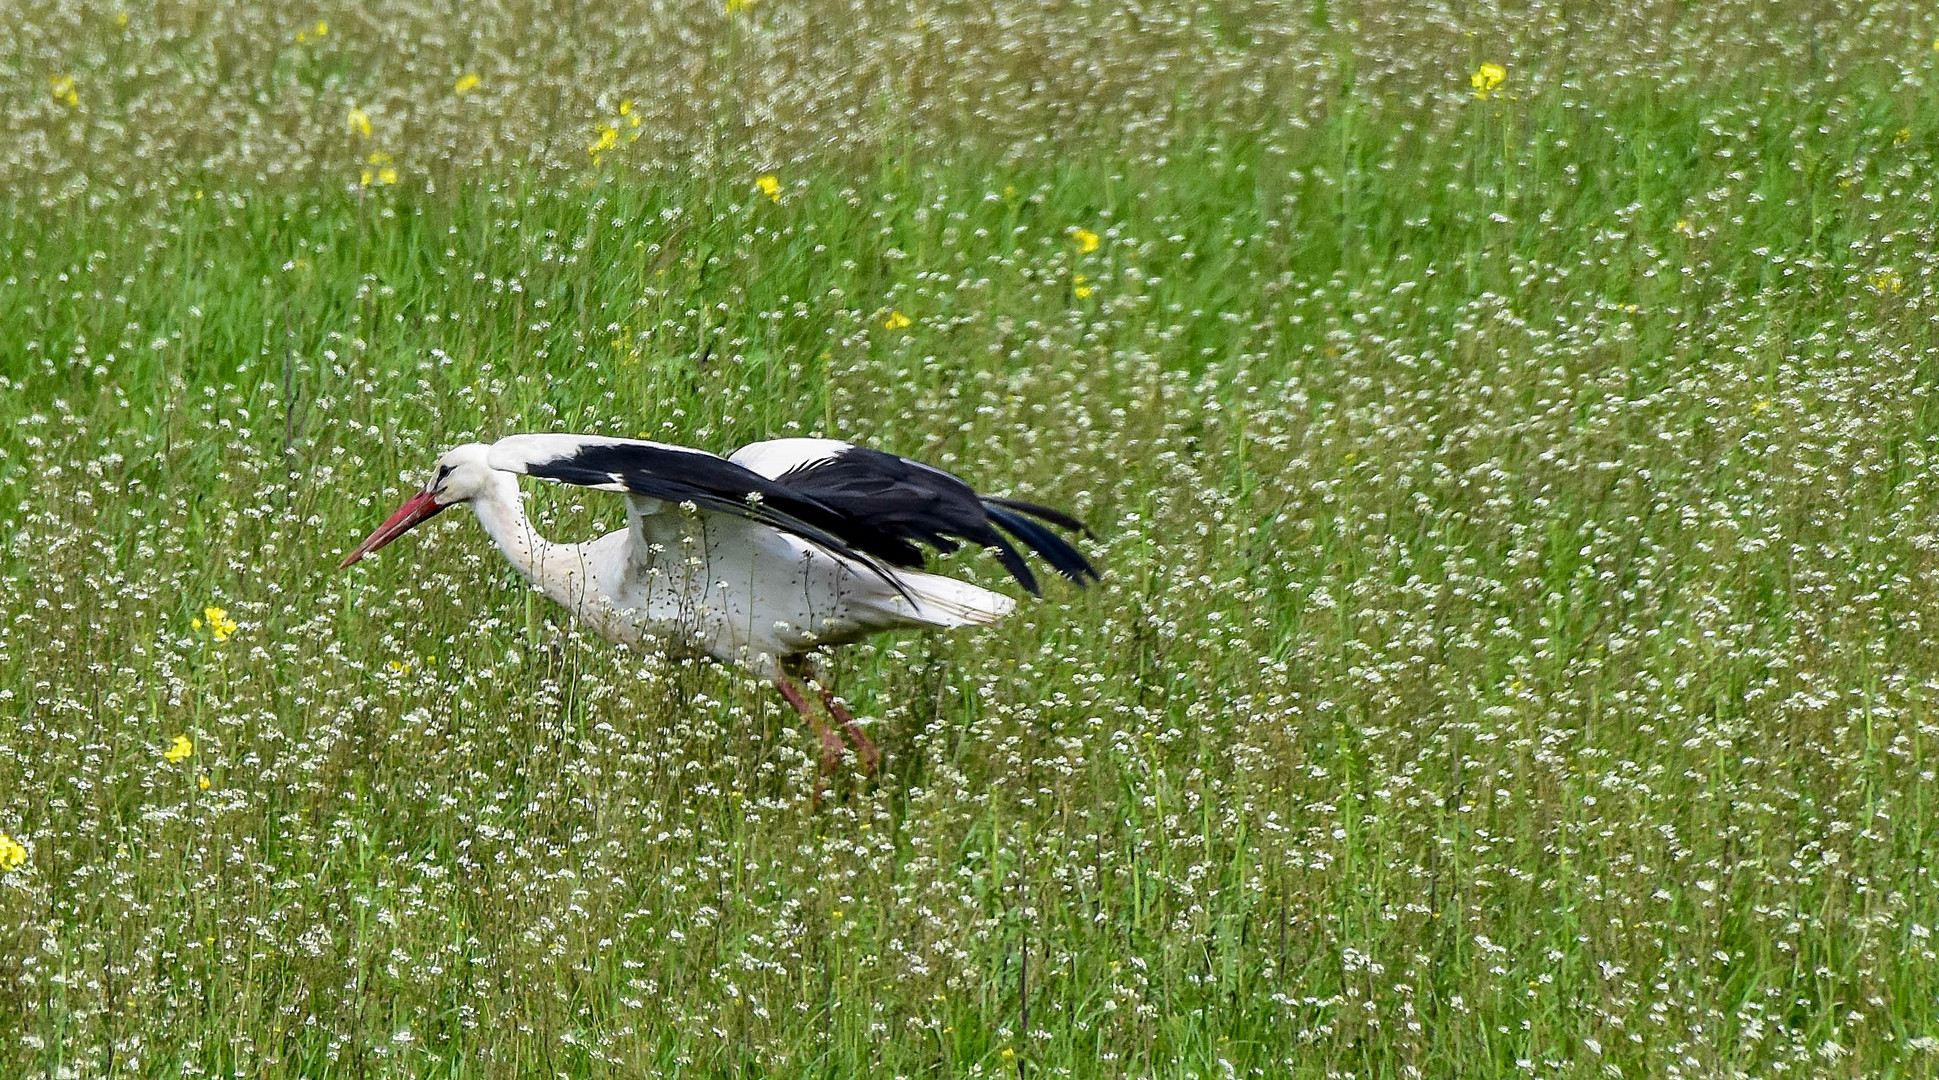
758, 559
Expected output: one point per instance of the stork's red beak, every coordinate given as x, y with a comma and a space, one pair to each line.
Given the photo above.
415, 510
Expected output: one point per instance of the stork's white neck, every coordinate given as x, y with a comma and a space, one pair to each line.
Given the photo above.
559, 570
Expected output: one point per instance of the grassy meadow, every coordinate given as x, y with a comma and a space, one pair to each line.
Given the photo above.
1511, 433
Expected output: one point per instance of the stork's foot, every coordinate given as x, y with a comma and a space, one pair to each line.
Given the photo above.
865, 750
832, 747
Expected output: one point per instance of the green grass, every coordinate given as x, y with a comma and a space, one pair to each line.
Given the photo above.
1513, 656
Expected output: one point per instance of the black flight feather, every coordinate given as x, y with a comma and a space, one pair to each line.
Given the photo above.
1054, 550
1055, 517
895, 504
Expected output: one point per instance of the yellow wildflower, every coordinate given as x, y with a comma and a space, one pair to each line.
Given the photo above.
770, 186
1079, 289
220, 624
608, 138
466, 83
400, 665
358, 121
1683, 226
13, 856
121, 18
897, 321
64, 90
1903, 136
1487, 78
738, 5
202, 781
1886, 282
1760, 404
321, 28
179, 750
380, 171
1087, 240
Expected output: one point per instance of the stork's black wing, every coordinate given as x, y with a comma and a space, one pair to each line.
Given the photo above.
892, 504
680, 474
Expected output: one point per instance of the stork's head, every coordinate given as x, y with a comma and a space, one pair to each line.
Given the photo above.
461, 476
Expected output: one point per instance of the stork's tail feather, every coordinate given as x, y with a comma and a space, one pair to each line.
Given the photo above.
947, 602
1054, 549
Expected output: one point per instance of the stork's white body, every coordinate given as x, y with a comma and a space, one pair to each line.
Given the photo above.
694, 583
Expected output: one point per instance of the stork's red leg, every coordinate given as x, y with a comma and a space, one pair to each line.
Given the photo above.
864, 746
831, 743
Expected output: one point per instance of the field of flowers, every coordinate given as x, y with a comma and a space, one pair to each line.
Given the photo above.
1511, 433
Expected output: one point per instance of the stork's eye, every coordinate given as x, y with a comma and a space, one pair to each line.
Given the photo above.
443, 471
